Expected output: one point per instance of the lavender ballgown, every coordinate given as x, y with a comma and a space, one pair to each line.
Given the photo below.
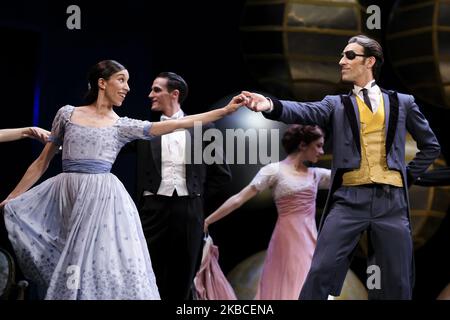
78, 235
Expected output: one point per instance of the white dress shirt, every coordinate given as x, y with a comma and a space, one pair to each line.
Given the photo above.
173, 160
373, 91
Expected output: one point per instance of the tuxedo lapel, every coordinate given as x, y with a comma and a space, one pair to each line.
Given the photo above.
387, 113
155, 146
351, 110
356, 111
391, 109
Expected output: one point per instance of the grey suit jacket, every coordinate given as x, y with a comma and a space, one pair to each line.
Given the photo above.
339, 115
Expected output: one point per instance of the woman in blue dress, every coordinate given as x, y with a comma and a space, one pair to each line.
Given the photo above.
78, 235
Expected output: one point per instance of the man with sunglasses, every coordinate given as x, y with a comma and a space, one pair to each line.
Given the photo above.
369, 175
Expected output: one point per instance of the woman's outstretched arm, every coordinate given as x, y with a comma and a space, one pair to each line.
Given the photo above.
231, 204
160, 128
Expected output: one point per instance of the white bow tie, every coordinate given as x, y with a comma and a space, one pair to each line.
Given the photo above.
175, 116
164, 118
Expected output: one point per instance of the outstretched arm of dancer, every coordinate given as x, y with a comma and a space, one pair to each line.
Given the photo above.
160, 128
231, 204
27, 132
34, 172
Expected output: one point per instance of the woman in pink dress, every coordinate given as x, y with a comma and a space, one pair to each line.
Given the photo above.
294, 188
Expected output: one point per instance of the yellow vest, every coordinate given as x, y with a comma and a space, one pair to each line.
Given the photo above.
373, 168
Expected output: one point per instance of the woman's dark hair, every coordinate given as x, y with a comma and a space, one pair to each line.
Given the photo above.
175, 82
297, 134
104, 69
372, 49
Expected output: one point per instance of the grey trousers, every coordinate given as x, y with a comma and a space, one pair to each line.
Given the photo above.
382, 211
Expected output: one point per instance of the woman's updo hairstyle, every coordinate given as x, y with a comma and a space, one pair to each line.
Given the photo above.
104, 69
297, 134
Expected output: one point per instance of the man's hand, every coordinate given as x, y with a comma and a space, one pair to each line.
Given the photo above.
257, 102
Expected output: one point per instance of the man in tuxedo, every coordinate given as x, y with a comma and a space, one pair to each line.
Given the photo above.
369, 176
171, 193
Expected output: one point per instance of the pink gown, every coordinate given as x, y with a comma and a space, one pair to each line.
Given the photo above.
210, 283
294, 238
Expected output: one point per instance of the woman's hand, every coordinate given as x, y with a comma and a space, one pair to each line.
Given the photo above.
4, 202
236, 102
37, 133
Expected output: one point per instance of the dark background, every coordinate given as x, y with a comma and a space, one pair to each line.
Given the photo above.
44, 67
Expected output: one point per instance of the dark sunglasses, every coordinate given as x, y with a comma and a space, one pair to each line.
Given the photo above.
350, 54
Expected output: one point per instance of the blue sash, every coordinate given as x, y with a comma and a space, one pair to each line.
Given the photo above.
86, 166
